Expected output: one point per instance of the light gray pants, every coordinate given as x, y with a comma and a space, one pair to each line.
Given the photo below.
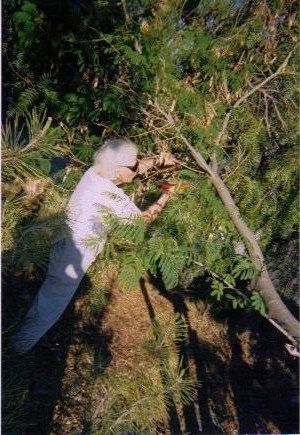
68, 263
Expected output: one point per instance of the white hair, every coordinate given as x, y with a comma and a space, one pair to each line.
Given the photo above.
114, 153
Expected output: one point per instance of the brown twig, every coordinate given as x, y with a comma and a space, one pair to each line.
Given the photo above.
188, 167
266, 95
249, 93
126, 15
24, 79
148, 132
283, 123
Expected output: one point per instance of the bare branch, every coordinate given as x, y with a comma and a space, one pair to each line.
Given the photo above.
283, 331
283, 123
248, 94
197, 156
277, 310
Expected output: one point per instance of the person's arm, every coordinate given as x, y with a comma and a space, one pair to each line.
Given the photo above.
164, 159
155, 209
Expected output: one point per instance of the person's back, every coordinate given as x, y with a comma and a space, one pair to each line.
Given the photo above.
95, 195
72, 255
92, 193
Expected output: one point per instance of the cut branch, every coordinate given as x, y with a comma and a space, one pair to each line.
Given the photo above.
277, 310
278, 313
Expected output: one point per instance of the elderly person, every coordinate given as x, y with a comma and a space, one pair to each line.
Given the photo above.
72, 255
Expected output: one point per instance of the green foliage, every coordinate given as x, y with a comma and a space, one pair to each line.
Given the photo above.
128, 405
166, 337
257, 303
131, 271
218, 289
27, 20
24, 156
244, 269
99, 74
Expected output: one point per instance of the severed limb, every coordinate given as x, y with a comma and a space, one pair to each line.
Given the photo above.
277, 310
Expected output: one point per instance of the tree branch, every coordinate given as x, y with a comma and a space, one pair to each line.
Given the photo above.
247, 95
277, 310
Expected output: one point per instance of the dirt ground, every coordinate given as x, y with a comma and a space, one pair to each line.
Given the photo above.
247, 381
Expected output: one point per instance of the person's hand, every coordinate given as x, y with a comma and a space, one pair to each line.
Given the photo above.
292, 350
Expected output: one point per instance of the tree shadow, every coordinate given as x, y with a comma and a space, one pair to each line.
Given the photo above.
261, 381
197, 416
51, 367
45, 365
268, 374
174, 422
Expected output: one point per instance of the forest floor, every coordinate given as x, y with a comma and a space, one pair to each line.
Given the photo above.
247, 383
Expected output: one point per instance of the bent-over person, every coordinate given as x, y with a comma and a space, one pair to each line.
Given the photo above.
71, 256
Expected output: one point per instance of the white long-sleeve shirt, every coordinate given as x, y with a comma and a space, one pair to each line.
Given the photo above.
92, 199
71, 256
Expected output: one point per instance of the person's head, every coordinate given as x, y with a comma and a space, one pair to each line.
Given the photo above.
116, 159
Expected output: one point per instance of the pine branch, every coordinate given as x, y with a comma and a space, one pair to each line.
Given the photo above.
38, 137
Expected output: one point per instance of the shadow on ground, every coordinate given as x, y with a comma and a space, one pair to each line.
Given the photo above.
252, 390
55, 374
257, 383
